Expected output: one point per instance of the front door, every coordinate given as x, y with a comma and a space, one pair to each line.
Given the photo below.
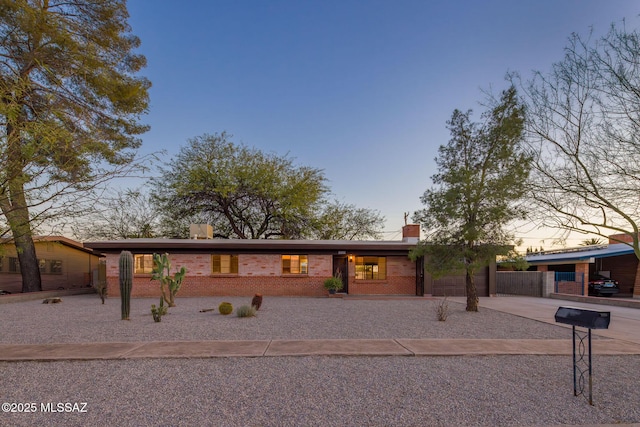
341, 269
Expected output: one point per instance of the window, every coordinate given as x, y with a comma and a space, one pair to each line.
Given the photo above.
50, 266
55, 266
224, 264
371, 268
295, 264
14, 265
143, 264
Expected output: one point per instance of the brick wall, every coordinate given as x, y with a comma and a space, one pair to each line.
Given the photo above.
261, 273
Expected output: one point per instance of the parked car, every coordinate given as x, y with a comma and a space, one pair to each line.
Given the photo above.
603, 286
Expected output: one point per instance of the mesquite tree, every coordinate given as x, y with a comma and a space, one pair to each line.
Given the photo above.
481, 175
70, 105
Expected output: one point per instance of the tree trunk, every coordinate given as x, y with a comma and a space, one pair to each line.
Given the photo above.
18, 218
472, 295
15, 209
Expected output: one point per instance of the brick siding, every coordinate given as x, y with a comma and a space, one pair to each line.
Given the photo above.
262, 273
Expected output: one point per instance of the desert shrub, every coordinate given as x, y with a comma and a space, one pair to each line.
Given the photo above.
246, 311
442, 310
225, 308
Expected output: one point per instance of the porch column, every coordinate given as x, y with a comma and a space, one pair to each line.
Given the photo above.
636, 284
583, 268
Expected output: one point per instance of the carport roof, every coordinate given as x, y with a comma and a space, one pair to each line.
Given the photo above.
580, 255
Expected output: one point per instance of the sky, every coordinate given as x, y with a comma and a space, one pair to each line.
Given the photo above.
361, 89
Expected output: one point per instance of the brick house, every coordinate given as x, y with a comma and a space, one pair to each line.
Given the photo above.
271, 267
63, 263
240, 267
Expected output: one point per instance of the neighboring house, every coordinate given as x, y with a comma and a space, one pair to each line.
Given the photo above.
273, 267
615, 260
63, 263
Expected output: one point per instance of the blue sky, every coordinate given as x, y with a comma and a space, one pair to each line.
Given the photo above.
360, 89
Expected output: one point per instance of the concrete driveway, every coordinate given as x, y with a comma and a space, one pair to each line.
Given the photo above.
625, 321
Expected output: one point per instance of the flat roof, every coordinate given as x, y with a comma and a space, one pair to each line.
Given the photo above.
573, 256
250, 245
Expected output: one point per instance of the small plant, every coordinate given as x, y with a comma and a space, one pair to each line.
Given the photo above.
158, 312
246, 311
125, 265
101, 290
333, 284
169, 286
257, 301
225, 308
442, 310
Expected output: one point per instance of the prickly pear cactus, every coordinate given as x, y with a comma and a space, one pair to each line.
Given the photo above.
125, 266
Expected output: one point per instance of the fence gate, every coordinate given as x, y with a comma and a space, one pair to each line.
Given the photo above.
569, 283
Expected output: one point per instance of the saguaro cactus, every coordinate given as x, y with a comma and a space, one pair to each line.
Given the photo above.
126, 280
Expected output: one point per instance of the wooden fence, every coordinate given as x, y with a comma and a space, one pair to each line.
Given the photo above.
529, 283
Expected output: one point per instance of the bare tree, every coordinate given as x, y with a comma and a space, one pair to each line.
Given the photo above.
583, 130
122, 214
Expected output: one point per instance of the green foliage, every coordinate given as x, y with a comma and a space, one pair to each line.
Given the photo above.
480, 179
246, 311
341, 221
248, 194
158, 312
514, 261
169, 286
225, 308
70, 105
333, 283
125, 275
592, 242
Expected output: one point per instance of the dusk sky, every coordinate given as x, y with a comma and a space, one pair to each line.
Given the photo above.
360, 89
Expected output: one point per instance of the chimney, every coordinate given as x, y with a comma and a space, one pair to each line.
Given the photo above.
200, 231
411, 233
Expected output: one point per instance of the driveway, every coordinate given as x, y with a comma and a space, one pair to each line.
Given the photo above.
625, 322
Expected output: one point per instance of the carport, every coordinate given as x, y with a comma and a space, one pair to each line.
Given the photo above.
574, 267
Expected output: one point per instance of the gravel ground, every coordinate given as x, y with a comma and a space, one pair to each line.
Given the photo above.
302, 391
83, 319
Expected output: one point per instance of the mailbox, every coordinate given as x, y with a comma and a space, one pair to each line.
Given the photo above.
582, 317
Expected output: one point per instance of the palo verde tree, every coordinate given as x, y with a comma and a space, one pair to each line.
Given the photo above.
480, 179
245, 193
70, 105
583, 129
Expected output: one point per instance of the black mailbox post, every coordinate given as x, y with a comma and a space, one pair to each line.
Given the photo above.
589, 319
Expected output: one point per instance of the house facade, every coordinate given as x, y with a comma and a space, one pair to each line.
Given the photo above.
271, 267
240, 267
63, 263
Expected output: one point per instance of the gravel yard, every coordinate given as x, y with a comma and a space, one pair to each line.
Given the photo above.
302, 391
82, 318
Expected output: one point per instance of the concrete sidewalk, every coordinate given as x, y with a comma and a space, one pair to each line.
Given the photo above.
332, 347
